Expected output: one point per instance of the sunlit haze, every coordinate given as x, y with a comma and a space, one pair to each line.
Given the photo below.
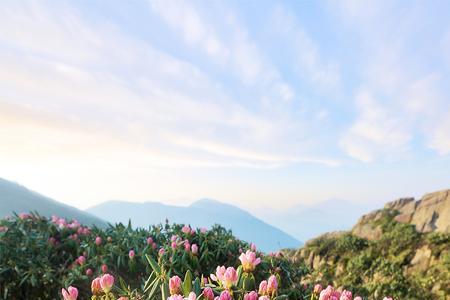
263, 104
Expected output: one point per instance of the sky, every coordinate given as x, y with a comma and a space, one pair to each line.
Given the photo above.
263, 104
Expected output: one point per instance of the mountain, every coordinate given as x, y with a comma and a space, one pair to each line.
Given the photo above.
401, 250
18, 199
203, 213
306, 222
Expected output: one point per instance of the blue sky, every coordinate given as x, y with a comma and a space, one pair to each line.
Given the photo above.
257, 103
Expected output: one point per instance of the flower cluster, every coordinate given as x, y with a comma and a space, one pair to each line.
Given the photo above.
330, 293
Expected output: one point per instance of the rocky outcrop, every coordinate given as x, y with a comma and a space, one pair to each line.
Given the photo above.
431, 213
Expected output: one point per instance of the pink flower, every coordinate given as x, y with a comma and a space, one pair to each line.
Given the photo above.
131, 254
262, 288
104, 268
175, 297
220, 271
161, 252
230, 277
192, 232
51, 240
346, 295
70, 294
253, 247
174, 238
98, 241
89, 272
225, 295
317, 289
186, 229
272, 285
203, 230
174, 245
327, 293
249, 261
96, 287
154, 245
81, 260
388, 298
149, 241
358, 298
264, 298
251, 296
208, 293
194, 249
24, 216
187, 246
123, 298
174, 285
107, 282
192, 296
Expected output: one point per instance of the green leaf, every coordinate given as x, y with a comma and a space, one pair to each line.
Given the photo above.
187, 284
153, 264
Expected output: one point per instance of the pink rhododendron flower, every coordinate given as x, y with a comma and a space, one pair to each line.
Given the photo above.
106, 282
192, 232
174, 245
253, 247
175, 297
104, 268
131, 254
388, 298
154, 246
96, 287
174, 285
70, 294
227, 276
161, 252
346, 295
187, 246
262, 288
358, 298
251, 296
81, 260
249, 261
194, 249
186, 229
24, 216
89, 272
123, 298
208, 293
317, 289
264, 298
98, 241
174, 238
192, 296
203, 230
149, 241
272, 284
225, 295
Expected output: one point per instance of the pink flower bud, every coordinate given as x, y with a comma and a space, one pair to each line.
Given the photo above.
262, 288
107, 282
272, 284
70, 294
174, 245
89, 272
174, 285
104, 268
251, 296
253, 247
225, 295
346, 295
96, 287
149, 241
187, 246
317, 289
81, 260
203, 230
186, 229
192, 296
98, 241
131, 254
161, 252
123, 298
154, 246
175, 297
194, 249
208, 293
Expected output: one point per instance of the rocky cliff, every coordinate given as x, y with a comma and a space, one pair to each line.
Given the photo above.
429, 214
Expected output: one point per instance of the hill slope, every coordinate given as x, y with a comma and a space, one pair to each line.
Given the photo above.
203, 213
402, 250
16, 198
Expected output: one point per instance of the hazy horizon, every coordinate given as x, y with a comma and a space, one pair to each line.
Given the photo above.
261, 106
